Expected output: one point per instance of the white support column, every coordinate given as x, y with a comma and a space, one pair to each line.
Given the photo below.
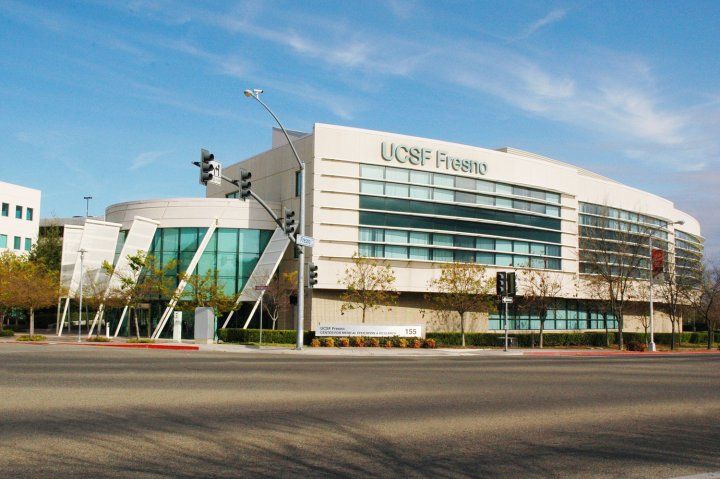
181, 286
252, 312
64, 315
98, 315
122, 318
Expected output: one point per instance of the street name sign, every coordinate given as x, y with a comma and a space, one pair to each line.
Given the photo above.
308, 241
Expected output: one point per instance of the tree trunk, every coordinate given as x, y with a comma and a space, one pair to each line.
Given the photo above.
32, 321
672, 334
620, 333
363, 315
710, 337
542, 327
607, 331
647, 338
137, 325
462, 328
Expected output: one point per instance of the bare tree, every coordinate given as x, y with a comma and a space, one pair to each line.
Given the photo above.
461, 288
643, 311
675, 292
706, 300
369, 284
276, 298
539, 290
615, 256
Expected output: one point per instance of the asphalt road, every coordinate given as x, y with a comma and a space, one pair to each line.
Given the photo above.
95, 412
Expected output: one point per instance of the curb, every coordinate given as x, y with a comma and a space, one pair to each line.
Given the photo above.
176, 347
620, 353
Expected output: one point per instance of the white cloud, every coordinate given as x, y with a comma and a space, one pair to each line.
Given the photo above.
147, 158
552, 17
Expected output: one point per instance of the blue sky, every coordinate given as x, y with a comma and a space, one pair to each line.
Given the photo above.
114, 99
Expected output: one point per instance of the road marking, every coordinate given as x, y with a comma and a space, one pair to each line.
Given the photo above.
704, 475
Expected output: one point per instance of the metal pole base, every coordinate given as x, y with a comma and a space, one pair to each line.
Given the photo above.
651, 347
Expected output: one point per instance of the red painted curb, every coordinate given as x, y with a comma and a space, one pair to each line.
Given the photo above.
176, 347
619, 353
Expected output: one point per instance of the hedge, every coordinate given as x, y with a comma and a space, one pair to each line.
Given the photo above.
6, 333
277, 336
598, 339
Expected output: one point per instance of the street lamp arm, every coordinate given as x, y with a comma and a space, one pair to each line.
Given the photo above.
287, 137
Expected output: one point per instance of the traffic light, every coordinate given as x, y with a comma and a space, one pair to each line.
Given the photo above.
289, 222
501, 283
312, 275
511, 290
245, 184
207, 167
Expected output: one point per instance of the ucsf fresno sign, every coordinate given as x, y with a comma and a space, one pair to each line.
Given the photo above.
421, 156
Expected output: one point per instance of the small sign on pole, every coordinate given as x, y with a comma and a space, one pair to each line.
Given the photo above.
308, 241
260, 287
507, 299
217, 173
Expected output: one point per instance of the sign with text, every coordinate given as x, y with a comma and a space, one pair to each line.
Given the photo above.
370, 331
420, 156
308, 241
658, 261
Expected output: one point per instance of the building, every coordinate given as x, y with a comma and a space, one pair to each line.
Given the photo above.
419, 203
19, 217
414, 202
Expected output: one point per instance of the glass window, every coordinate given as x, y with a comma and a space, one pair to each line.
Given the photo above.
520, 191
421, 177
392, 189
443, 180
485, 200
207, 263
249, 241
419, 253
503, 188
365, 250
521, 205
420, 192
16, 242
227, 264
465, 183
366, 234
28, 244
537, 263
464, 256
552, 197
503, 259
372, 187
485, 258
461, 197
521, 261
503, 245
227, 240
504, 202
396, 252
188, 239
29, 214
521, 247
552, 250
170, 239
419, 238
536, 248
3, 241
464, 241
396, 174
443, 195
552, 210
481, 185
18, 212
485, 243
537, 208
5, 209
396, 236
552, 263
443, 255
442, 240
372, 171
246, 264
540, 195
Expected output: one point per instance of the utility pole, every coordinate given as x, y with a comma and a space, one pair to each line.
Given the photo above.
87, 205
82, 273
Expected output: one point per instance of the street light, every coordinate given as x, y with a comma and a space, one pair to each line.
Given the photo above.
87, 204
652, 282
255, 93
82, 257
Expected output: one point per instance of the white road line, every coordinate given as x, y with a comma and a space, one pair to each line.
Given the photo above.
704, 475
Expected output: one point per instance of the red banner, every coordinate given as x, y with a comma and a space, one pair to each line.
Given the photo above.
658, 261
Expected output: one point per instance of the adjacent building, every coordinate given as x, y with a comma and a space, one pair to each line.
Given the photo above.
19, 217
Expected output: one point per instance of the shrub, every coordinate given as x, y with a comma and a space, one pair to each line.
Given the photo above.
344, 342
358, 341
315, 343
389, 343
276, 336
98, 339
373, 342
635, 346
327, 342
416, 343
429, 343
402, 343
34, 337
141, 340
6, 333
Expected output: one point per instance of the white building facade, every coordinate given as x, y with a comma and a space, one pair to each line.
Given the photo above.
419, 203
19, 217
